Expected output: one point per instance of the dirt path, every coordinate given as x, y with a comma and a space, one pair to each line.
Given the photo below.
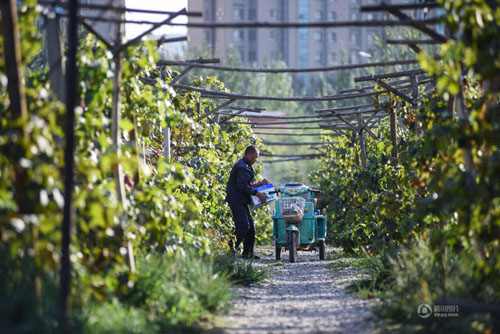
302, 297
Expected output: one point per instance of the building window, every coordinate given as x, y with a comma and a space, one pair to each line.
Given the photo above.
318, 36
207, 35
333, 16
242, 55
252, 14
371, 17
318, 58
355, 38
355, 2
370, 38
354, 58
272, 34
252, 35
273, 14
354, 16
333, 37
252, 56
238, 14
332, 58
318, 15
238, 35
206, 15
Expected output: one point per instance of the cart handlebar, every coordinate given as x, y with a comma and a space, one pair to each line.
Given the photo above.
316, 191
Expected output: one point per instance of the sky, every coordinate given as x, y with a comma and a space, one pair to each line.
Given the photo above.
132, 30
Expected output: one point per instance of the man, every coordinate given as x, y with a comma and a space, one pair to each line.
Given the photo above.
238, 192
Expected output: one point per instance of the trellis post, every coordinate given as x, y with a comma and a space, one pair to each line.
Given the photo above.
362, 143
55, 58
115, 124
69, 151
394, 135
166, 143
356, 155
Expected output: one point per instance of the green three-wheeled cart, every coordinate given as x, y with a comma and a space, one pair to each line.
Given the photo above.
296, 223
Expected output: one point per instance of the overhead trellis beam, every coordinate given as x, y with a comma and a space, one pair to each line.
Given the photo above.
222, 95
271, 143
294, 134
352, 112
115, 8
368, 87
329, 110
248, 109
209, 94
165, 40
287, 128
219, 107
394, 91
324, 120
96, 33
286, 159
418, 25
329, 24
321, 127
288, 70
387, 7
154, 27
412, 41
388, 75
231, 116
315, 155
273, 116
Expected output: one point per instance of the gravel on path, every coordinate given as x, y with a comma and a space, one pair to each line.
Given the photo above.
302, 297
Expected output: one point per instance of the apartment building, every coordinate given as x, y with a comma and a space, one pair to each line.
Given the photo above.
304, 47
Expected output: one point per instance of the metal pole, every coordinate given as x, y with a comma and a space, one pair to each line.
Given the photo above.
71, 96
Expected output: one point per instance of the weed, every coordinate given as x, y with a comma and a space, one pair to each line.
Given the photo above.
275, 264
239, 272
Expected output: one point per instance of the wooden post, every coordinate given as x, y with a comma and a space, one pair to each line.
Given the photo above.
362, 144
356, 155
166, 144
462, 114
15, 88
394, 135
56, 72
69, 151
115, 125
116, 131
12, 54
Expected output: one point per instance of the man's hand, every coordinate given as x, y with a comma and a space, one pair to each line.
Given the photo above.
262, 197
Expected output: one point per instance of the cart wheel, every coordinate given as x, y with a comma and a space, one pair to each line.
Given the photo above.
292, 246
322, 250
277, 248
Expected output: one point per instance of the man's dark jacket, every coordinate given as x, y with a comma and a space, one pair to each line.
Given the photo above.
238, 189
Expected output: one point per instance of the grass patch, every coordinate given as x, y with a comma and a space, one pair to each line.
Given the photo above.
239, 272
173, 294
275, 264
353, 262
403, 281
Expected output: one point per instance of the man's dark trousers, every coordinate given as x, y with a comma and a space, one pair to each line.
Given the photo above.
245, 227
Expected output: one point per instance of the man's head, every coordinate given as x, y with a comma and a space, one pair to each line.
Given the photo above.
251, 154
